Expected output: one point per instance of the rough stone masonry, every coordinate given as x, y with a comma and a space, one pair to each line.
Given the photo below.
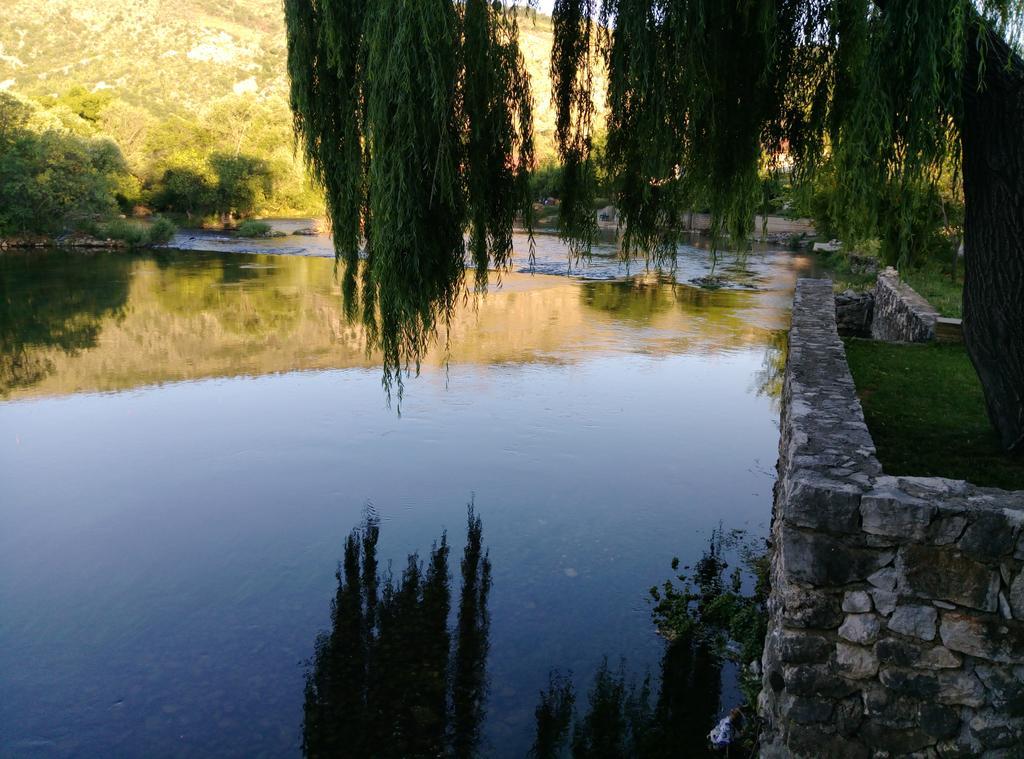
897, 606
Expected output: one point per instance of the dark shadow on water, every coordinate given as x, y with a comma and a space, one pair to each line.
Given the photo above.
48, 299
392, 679
706, 618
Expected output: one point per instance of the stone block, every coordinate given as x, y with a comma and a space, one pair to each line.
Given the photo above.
856, 662
914, 621
946, 530
947, 575
885, 601
996, 731
860, 628
821, 503
819, 559
807, 711
939, 721
1005, 688
892, 513
803, 648
857, 601
1017, 596
803, 607
993, 640
884, 579
815, 680
904, 653
988, 537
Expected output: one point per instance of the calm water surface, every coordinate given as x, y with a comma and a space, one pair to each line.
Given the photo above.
187, 437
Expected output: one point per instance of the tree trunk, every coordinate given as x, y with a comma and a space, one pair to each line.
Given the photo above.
993, 171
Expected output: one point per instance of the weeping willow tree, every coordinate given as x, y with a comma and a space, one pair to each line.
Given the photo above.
416, 118
703, 95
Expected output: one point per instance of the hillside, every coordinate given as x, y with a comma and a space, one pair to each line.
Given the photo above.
175, 58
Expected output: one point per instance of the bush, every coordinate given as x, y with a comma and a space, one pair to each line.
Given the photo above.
161, 231
132, 232
253, 228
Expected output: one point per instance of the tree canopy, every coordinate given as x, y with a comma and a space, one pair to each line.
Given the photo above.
416, 119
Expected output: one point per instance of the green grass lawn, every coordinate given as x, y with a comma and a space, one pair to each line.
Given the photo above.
924, 407
933, 282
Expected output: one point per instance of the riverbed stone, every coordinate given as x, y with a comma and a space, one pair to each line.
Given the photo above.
915, 621
860, 628
857, 662
933, 572
857, 601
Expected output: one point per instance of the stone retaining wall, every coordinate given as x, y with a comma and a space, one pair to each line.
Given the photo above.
900, 314
897, 606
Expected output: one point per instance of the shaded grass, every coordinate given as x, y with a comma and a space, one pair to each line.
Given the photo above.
925, 409
934, 282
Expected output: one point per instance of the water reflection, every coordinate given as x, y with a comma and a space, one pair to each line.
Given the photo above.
389, 680
72, 322
54, 309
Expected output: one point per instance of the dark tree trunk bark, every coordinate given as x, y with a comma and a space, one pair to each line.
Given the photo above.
992, 132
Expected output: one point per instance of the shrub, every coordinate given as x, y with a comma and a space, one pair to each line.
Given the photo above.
132, 232
253, 228
160, 231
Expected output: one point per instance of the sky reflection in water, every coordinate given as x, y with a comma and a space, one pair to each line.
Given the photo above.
186, 439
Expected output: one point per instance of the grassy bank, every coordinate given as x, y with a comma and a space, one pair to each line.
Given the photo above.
926, 413
934, 282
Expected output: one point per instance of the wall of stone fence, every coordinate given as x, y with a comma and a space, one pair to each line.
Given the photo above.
900, 315
897, 606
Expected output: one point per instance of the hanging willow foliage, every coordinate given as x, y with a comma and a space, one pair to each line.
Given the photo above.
705, 95
416, 118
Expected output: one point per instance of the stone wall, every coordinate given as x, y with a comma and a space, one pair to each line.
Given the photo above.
900, 314
854, 312
897, 606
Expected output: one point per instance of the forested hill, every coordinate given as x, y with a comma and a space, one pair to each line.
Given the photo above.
175, 57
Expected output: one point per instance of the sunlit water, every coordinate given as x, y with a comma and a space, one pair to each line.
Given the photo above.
186, 438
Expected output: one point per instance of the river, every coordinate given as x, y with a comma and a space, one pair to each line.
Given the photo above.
188, 435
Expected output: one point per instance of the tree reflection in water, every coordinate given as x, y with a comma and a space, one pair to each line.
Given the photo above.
386, 681
391, 679
706, 618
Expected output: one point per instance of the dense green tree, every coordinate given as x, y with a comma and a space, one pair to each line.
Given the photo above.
416, 119
51, 180
703, 97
